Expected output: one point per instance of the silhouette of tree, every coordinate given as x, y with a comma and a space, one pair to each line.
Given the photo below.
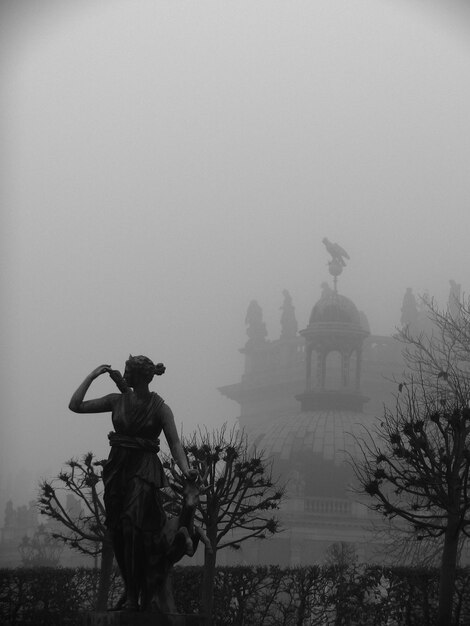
416, 465
83, 529
237, 498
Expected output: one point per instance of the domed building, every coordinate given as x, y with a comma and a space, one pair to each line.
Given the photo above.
304, 400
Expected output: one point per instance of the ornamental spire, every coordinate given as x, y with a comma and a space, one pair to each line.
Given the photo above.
337, 262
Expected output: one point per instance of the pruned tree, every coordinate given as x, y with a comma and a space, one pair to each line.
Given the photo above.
416, 464
82, 528
406, 546
237, 499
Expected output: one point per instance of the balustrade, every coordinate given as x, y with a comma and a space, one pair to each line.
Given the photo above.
327, 506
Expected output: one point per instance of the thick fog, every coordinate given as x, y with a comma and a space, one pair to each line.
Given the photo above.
166, 162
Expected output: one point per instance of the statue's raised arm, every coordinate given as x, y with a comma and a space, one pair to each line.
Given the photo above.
78, 404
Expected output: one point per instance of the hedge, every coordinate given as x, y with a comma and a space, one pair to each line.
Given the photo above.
249, 596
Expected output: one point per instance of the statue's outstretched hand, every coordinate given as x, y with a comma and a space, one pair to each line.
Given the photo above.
101, 369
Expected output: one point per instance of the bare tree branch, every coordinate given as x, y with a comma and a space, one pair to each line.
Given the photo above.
84, 528
415, 466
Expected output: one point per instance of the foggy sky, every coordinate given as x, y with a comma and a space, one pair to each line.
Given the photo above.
165, 162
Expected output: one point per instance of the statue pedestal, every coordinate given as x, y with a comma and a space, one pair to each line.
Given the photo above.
125, 618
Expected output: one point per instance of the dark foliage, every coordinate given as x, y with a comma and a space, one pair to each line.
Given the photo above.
250, 596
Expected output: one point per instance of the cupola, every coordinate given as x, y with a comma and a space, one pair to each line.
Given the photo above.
333, 347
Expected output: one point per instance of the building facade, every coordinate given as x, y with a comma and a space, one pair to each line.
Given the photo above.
305, 400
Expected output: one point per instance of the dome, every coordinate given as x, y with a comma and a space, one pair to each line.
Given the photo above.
327, 434
335, 308
314, 447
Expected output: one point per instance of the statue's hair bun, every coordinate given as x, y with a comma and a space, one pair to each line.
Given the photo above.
159, 369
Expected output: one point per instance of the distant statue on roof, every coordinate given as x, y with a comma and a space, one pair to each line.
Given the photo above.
256, 330
338, 254
409, 309
453, 304
289, 325
326, 290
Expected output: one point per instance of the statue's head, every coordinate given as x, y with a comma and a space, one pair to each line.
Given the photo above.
141, 369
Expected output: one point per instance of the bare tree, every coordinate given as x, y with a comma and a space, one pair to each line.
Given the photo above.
237, 498
82, 529
405, 545
416, 465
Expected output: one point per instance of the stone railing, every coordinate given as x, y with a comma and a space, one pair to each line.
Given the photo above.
327, 506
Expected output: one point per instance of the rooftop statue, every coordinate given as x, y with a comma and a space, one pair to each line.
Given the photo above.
145, 546
338, 254
409, 310
256, 330
289, 324
326, 290
453, 304
337, 262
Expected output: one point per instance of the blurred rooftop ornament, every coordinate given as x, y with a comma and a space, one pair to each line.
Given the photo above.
337, 262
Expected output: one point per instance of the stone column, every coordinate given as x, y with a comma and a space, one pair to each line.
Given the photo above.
345, 363
308, 369
358, 367
321, 371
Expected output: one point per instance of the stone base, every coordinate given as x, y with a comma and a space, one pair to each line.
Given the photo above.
126, 618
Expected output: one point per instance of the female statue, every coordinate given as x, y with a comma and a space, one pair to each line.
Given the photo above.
133, 474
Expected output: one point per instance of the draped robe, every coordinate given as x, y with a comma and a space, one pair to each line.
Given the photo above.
133, 474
